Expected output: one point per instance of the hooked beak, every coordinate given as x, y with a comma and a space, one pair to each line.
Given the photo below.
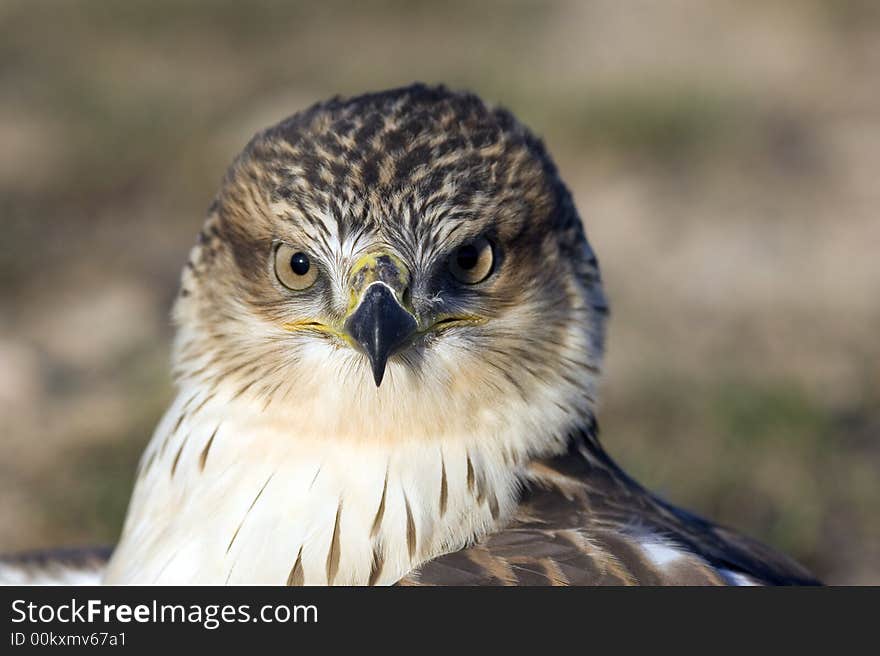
377, 322
380, 326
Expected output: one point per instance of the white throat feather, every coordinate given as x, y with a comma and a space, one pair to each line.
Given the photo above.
232, 491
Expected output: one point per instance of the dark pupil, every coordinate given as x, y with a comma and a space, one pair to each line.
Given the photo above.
300, 264
467, 257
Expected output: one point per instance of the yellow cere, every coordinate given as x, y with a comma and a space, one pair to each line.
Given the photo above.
368, 269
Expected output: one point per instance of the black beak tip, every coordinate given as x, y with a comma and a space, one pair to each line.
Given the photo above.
380, 326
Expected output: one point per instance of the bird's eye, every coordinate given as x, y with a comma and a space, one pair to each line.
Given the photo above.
294, 268
472, 262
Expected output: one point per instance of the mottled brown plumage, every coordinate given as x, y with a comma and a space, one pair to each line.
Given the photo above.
581, 521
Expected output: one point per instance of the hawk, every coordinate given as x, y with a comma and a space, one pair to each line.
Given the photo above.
389, 342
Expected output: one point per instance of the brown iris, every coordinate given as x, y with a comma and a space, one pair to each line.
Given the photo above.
472, 262
294, 268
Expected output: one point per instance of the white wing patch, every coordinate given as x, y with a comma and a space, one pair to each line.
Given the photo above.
736, 578
662, 554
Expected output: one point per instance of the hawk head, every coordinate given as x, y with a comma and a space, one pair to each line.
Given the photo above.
396, 265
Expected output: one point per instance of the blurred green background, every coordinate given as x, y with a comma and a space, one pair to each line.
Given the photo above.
725, 156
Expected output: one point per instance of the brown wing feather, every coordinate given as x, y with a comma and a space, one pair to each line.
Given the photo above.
581, 522
78, 566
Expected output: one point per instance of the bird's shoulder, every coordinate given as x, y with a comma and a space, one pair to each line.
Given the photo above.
583, 521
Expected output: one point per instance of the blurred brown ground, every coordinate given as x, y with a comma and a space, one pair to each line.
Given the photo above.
725, 156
